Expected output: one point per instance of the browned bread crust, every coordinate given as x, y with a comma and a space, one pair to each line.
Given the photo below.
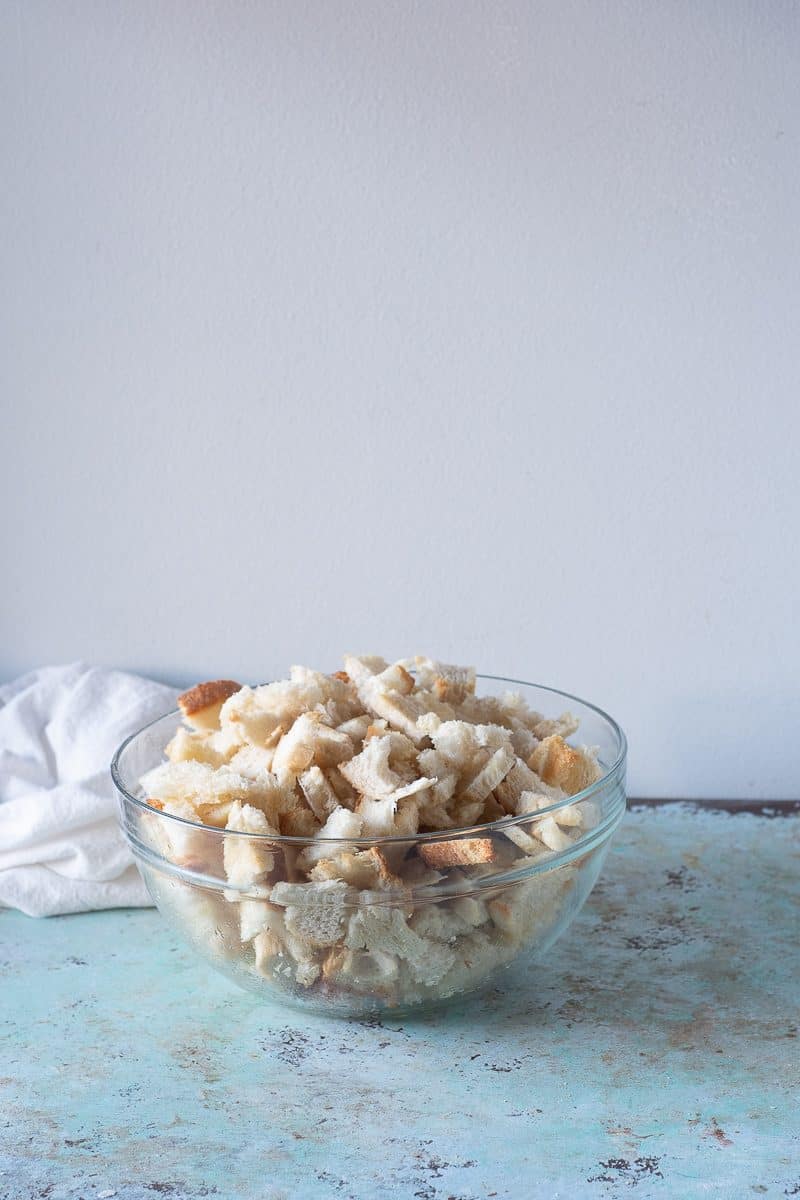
461, 852
203, 695
561, 765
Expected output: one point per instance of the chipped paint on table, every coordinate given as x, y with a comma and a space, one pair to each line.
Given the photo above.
653, 1054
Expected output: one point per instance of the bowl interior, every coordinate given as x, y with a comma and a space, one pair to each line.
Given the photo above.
427, 936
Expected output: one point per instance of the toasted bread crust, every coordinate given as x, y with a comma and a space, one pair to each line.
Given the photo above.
561, 765
407, 678
461, 852
204, 695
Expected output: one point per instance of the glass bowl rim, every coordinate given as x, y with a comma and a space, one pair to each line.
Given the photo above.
460, 832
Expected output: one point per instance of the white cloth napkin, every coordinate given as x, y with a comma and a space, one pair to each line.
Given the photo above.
61, 850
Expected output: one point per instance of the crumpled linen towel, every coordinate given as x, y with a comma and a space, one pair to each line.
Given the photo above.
61, 850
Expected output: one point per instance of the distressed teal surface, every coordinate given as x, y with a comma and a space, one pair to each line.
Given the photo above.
653, 1054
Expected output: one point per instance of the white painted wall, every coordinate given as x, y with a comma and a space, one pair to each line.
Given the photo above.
469, 328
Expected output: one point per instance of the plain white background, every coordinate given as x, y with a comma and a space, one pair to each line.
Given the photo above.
465, 328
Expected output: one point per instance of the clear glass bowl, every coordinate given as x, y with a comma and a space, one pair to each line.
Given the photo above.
435, 936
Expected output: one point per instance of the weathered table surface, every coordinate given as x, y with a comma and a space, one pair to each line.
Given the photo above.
654, 1053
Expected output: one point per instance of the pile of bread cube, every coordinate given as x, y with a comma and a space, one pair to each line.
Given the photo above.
352, 857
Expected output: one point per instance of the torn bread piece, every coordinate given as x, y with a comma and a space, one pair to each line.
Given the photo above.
185, 842
402, 751
356, 729
267, 947
383, 928
561, 765
207, 920
360, 668
564, 726
447, 681
514, 707
540, 795
189, 746
373, 775
461, 744
212, 792
523, 742
203, 786
396, 815
369, 772
433, 814
313, 912
248, 862
339, 699
551, 834
569, 816
530, 907
373, 972
518, 780
436, 804
395, 679
298, 820
336, 688
256, 916
471, 911
401, 711
201, 704
320, 796
361, 869
345, 792
284, 954
510, 710
278, 952
490, 776
215, 815
448, 919
340, 825
261, 715
310, 742
389, 695
529, 846
252, 761
477, 956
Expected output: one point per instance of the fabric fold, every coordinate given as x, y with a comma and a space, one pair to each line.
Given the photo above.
61, 849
